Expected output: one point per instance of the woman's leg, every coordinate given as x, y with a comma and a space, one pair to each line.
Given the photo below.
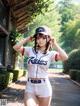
44, 101
30, 99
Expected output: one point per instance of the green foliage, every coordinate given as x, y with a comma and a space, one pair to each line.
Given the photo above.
72, 74
75, 74
66, 11
5, 79
17, 74
14, 37
70, 22
78, 76
37, 7
51, 18
69, 11
66, 65
73, 61
41, 5
24, 72
71, 35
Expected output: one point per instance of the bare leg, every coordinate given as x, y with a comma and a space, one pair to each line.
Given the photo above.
44, 101
30, 99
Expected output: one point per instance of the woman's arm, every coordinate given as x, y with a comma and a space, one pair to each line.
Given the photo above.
19, 46
62, 54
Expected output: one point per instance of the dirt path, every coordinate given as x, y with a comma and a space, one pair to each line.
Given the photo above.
65, 92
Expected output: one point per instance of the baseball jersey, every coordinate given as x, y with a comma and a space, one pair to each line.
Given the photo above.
38, 63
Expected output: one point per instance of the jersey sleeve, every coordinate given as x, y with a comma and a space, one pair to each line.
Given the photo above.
26, 51
54, 55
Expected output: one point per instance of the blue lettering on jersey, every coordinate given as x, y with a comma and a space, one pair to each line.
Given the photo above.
33, 60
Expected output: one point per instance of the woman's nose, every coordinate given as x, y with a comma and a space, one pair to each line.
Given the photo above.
41, 39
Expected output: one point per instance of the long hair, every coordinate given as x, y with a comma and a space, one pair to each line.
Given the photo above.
36, 46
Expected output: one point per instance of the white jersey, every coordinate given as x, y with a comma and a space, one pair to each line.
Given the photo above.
38, 63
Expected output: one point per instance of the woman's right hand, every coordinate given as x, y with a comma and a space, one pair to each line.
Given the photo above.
31, 38
19, 45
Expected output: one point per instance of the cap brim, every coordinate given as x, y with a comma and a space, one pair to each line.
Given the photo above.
44, 33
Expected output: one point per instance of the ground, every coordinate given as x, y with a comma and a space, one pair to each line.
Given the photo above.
65, 91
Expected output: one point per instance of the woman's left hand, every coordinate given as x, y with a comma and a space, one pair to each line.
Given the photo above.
53, 42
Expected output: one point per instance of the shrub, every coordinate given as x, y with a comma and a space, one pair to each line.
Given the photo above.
24, 72
78, 76
2, 78
5, 79
8, 79
66, 67
3, 70
73, 61
17, 74
73, 74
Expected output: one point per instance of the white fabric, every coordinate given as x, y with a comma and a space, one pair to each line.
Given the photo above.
38, 64
42, 89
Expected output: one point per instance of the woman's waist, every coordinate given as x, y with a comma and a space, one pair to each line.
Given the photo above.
34, 78
37, 80
37, 76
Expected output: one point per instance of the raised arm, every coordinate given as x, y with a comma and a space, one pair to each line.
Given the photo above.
19, 46
62, 54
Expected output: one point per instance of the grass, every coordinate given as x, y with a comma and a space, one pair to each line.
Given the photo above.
55, 70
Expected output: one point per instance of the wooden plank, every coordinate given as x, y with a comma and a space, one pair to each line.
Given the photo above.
23, 30
23, 21
23, 4
14, 2
23, 8
20, 28
11, 2
20, 5
21, 14
22, 25
22, 18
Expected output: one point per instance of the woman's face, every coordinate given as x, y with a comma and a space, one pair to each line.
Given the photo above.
41, 40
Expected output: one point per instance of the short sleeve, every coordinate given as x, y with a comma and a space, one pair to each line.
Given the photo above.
27, 51
54, 55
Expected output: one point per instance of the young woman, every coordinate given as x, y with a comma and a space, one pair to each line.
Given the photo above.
38, 91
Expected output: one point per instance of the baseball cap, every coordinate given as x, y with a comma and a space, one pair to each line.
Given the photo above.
43, 30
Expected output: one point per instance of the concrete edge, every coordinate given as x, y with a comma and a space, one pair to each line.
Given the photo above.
75, 82
7, 87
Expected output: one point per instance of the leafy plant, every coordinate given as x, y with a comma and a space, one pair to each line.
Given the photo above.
14, 37
73, 61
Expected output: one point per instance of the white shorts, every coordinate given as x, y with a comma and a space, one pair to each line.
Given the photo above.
42, 89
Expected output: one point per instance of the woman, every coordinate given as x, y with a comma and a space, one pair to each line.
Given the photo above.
38, 91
